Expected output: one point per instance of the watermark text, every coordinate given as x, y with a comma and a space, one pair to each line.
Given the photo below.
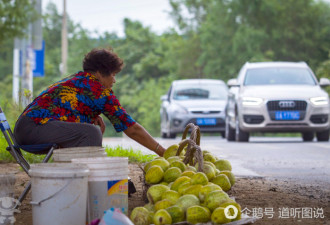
285, 213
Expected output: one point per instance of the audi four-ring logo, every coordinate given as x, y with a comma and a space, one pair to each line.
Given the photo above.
287, 104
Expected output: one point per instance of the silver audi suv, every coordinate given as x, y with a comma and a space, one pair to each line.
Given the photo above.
277, 97
198, 101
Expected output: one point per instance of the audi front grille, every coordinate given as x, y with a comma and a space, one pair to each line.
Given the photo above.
287, 105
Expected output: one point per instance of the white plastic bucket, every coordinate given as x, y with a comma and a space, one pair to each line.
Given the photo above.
107, 186
7, 201
59, 193
66, 154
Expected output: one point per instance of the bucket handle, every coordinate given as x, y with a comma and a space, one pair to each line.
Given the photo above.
38, 203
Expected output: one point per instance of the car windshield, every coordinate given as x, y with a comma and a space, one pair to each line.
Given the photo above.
200, 91
279, 76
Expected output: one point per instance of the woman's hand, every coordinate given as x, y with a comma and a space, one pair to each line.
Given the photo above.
99, 122
140, 135
160, 150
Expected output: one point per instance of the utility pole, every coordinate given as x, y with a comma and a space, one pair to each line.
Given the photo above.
24, 59
28, 64
16, 66
64, 41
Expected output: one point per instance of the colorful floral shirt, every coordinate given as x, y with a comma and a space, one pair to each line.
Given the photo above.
79, 98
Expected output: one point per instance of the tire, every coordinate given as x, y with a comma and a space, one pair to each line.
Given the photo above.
229, 132
307, 136
171, 135
323, 135
168, 133
223, 135
240, 135
163, 135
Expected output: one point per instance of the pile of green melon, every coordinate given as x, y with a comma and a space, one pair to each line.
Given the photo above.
187, 184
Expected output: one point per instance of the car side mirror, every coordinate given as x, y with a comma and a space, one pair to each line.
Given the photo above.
164, 98
324, 82
232, 83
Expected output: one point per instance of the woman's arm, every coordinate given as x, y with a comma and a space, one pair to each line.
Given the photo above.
140, 135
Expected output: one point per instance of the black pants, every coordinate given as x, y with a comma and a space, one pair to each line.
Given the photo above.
64, 134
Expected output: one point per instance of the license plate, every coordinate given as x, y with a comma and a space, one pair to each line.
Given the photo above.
287, 115
206, 121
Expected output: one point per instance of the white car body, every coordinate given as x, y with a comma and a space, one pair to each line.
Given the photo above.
259, 102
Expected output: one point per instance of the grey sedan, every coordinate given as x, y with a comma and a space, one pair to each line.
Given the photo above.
198, 101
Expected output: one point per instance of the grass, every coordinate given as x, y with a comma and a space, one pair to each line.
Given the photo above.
4, 154
6, 157
134, 156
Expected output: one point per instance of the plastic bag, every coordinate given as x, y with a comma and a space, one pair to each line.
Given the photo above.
115, 217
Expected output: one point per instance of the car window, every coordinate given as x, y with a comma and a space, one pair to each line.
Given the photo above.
279, 76
200, 91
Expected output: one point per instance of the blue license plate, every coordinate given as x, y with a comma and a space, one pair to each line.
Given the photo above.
206, 121
287, 115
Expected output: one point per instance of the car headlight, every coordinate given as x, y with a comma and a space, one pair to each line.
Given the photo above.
251, 101
319, 101
177, 109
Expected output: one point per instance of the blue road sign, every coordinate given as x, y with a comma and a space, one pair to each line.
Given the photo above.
39, 68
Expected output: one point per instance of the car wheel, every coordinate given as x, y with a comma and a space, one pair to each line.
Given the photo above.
223, 135
230, 132
308, 136
163, 134
172, 135
323, 135
168, 133
240, 135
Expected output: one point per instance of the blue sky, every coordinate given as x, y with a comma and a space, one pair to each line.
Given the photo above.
108, 15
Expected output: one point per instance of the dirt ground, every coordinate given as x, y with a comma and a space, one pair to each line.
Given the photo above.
273, 201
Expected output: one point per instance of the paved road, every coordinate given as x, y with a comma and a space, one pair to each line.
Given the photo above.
270, 157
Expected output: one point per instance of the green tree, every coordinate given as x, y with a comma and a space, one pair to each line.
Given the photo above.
15, 16
52, 23
296, 30
143, 55
189, 14
146, 103
80, 43
236, 31
139, 42
227, 43
186, 48
324, 71
6, 66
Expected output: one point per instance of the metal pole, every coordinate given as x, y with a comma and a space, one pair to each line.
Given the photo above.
64, 40
16, 65
37, 27
28, 60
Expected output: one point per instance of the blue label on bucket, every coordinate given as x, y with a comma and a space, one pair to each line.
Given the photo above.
105, 195
118, 187
118, 194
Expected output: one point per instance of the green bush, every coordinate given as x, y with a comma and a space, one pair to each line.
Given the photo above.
134, 156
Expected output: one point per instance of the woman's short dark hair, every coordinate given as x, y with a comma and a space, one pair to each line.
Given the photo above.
105, 61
